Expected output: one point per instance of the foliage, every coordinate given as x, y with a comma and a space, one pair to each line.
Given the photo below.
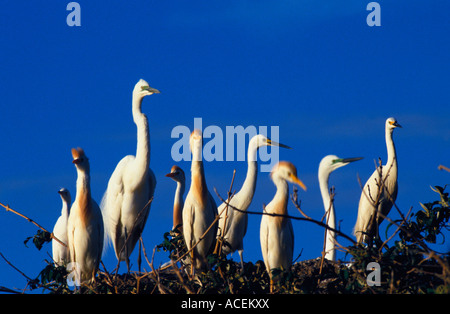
39, 239
407, 265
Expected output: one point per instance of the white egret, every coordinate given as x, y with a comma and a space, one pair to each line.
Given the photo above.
199, 209
374, 202
125, 205
233, 223
276, 233
85, 225
177, 174
60, 253
327, 165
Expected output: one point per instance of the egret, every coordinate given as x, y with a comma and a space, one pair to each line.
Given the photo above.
374, 203
125, 204
60, 253
233, 223
85, 225
327, 165
276, 233
199, 209
177, 174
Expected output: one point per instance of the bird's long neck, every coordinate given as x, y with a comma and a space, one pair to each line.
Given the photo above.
83, 198
178, 205
330, 215
392, 158
280, 199
143, 138
65, 209
198, 182
247, 191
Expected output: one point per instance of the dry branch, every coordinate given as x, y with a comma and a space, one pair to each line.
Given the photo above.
9, 209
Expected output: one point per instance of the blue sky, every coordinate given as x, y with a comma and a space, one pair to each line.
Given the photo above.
313, 68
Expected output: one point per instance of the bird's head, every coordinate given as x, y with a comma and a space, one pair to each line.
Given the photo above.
287, 171
262, 140
142, 89
176, 174
79, 158
196, 139
65, 194
332, 162
391, 123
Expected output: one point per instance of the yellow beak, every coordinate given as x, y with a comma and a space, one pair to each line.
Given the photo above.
298, 182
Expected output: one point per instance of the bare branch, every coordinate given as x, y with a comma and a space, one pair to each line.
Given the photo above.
9, 209
338, 232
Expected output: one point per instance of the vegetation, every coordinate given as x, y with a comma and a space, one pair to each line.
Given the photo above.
406, 265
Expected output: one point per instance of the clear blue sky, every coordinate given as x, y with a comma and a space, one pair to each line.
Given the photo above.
313, 68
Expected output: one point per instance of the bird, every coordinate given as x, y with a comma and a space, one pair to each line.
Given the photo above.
375, 204
199, 210
276, 232
233, 223
327, 165
177, 174
85, 225
60, 253
126, 202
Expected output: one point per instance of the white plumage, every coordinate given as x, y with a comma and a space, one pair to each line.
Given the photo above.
85, 225
276, 233
125, 203
60, 253
232, 223
374, 201
327, 165
199, 209
177, 174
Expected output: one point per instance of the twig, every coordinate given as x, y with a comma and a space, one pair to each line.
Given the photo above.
131, 231
441, 167
338, 232
19, 271
219, 243
294, 199
328, 213
9, 209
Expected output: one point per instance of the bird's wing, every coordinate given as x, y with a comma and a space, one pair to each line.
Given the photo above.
113, 197
152, 182
213, 209
188, 221
288, 243
99, 227
264, 239
151, 193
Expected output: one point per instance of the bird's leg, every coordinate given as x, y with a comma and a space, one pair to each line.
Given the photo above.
127, 259
241, 252
192, 264
139, 260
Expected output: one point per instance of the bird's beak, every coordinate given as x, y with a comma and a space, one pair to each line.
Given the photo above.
396, 124
76, 161
348, 160
170, 175
152, 90
298, 182
273, 143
